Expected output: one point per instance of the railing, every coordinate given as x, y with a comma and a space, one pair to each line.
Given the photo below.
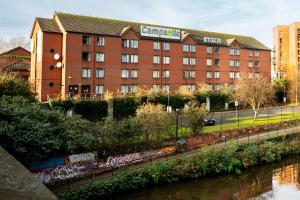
92, 176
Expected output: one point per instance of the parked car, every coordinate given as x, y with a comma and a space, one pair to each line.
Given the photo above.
209, 120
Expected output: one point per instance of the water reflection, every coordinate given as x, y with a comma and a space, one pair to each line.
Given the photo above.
277, 181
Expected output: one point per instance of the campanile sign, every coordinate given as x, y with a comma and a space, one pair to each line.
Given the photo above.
160, 32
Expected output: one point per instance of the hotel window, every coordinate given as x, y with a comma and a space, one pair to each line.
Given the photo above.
237, 63
256, 75
86, 40
237, 52
209, 49
134, 58
125, 89
86, 73
217, 50
250, 75
134, 44
86, 56
155, 74
192, 48
232, 52
166, 60
250, 63
99, 73
185, 48
156, 45
234, 75
209, 62
99, 57
208, 74
209, 86
125, 58
166, 87
124, 73
217, 62
256, 64
217, 87
99, 89
125, 43
100, 41
231, 63
257, 53
190, 87
156, 86
189, 74
156, 59
166, 46
192, 61
250, 53
185, 61
166, 73
217, 74
134, 73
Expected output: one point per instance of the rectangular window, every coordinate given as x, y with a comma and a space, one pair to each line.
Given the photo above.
99, 89
192, 61
190, 87
156, 59
134, 58
257, 53
257, 75
125, 43
208, 74
209, 49
209, 62
232, 52
125, 89
217, 50
99, 73
217, 62
185, 48
231, 75
86, 73
134, 44
256, 64
86, 56
237, 63
86, 40
124, 73
250, 53
250, 75
100, 41
185, 61
237, 52
231, 63
166, 87
156, 45
125, 58
237, 74
99, 57
189, 74
250, 64
217, 87
166, 73
166, 46
209, 86
155, 74
166, 60
192, 48
156, 86
134, 73
217, 74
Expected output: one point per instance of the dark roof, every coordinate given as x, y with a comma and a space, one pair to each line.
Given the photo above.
96, 25
20, 65
48, 25
14, 49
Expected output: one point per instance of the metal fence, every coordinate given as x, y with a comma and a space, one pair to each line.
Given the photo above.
93, 176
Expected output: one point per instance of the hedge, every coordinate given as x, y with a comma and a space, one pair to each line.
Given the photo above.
92, 110
124, 106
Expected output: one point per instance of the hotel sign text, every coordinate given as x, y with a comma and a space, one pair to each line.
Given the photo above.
212, 40
159, 32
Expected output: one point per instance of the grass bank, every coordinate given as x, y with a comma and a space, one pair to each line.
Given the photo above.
208, 161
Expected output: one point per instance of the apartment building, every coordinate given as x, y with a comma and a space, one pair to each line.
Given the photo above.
80, 55
286, 60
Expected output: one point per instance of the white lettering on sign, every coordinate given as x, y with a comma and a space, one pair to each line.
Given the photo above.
212, 40
159, 32
82, 157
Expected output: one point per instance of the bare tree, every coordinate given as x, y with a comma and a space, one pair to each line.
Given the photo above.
13, 43
254, 92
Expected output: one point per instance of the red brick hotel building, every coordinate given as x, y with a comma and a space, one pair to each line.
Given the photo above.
74, 54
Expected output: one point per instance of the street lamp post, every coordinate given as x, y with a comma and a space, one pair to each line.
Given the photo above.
177, 111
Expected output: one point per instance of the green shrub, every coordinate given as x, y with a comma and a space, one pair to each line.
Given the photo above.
124, 107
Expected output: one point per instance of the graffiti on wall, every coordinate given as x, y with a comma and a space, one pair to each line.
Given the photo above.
82, 157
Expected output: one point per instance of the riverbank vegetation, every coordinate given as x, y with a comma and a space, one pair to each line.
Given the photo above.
208, 161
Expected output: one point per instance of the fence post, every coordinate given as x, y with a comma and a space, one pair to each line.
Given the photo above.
248, 136
225, 141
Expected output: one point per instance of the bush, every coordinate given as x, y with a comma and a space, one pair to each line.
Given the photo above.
11, 85
124, 107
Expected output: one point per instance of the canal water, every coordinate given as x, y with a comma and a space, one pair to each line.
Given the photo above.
280, 181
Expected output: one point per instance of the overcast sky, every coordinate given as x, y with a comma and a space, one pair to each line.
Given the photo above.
254, 17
